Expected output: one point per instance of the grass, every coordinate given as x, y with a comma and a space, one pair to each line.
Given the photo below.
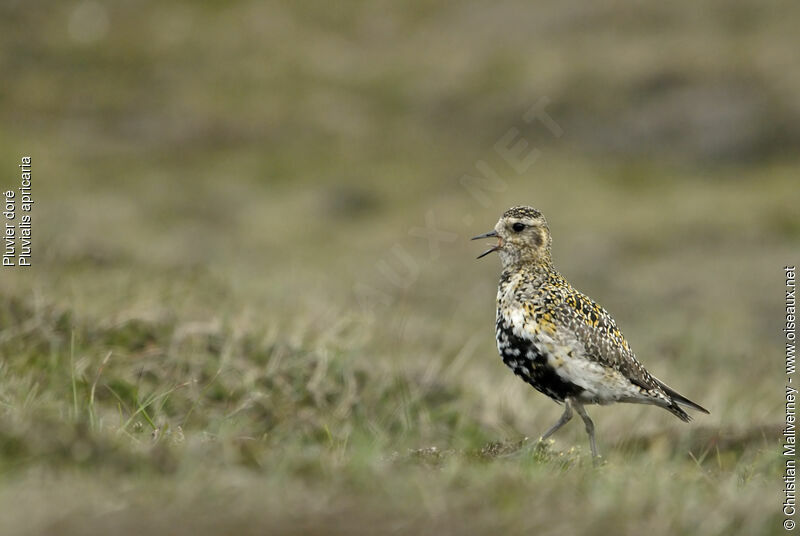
236, 324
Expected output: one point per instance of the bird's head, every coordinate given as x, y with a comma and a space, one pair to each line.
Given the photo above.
522, 237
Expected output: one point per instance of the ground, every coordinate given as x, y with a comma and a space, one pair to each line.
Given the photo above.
254, 307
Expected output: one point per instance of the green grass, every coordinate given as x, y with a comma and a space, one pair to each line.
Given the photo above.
232, 327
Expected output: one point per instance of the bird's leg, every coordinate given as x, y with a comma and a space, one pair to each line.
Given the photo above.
564, 419
589, 429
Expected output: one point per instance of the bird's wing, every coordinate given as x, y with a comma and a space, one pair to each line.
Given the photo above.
580, 318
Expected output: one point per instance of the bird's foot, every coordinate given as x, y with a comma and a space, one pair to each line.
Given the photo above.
541, 448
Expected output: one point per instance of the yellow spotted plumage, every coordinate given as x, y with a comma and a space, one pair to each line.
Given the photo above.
558, 340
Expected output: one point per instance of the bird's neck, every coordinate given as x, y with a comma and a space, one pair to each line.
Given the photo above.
539, 263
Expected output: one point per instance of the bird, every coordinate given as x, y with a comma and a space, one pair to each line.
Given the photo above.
559, 340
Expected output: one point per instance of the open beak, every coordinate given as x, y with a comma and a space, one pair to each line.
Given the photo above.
490, 234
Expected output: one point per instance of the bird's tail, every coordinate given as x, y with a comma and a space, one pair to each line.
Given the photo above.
676, 410
677, 399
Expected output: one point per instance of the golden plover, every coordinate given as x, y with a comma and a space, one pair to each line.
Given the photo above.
559, 340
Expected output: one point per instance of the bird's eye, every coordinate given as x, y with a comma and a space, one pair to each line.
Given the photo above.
518, 227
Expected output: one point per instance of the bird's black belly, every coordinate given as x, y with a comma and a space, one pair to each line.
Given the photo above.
530, 364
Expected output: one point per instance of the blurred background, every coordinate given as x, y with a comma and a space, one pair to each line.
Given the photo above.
251, 257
